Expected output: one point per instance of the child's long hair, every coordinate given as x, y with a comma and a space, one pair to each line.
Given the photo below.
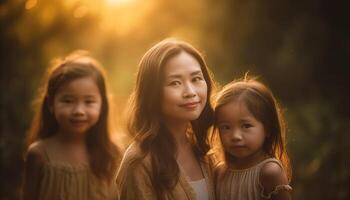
103, 154
145, 117
264, 107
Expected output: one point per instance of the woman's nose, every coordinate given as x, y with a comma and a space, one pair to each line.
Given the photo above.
189, 91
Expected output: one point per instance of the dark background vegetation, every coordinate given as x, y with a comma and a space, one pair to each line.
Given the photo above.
301, 49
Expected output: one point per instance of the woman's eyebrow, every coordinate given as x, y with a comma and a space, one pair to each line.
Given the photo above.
197, 72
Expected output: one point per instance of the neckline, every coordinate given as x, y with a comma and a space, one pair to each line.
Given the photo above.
197, 181
187, 178
249, 168
69, 166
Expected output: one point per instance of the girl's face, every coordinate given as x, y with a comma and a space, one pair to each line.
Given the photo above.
242, 135
77, 105
184, 88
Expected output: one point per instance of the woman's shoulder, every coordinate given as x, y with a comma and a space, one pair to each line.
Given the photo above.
134, 157
134, 165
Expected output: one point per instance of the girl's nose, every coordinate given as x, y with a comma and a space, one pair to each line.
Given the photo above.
236, 135
78, 109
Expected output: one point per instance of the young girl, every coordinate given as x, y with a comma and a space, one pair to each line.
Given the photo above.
252, 133
70, 154
170, 117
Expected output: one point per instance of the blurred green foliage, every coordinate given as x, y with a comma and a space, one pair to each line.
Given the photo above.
300, 49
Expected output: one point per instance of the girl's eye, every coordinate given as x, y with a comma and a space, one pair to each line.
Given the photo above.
224, 127
245, 126
90, 101
67, 100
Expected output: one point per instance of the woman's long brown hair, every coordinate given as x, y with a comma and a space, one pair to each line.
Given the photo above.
145, 121
264, 107
103, 154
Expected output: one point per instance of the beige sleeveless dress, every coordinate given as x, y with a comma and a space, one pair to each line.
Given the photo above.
63, 181
242, 184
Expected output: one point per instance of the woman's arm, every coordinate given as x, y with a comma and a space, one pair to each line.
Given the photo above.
274, 182
34, 161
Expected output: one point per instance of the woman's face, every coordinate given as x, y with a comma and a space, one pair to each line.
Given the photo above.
184, 89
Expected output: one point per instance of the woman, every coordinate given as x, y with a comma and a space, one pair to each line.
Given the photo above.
170, 114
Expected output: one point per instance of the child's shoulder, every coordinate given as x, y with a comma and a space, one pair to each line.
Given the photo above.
36, 153
273, 176
271, 168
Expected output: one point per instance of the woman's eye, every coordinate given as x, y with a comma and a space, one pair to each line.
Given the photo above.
174, 83
197, 78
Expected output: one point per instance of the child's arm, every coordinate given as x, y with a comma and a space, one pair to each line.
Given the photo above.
274, 182
33, 164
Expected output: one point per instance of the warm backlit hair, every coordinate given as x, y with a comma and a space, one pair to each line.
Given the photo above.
145, 120
103, 154
261, 103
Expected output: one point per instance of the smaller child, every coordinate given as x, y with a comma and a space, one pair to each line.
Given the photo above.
252, 133
70, 154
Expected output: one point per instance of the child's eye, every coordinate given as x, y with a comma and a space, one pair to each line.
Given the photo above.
67, 100
224, 127
245, 126
90, 101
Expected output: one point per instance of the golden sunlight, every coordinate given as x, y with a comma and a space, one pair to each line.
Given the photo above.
118, 2
31, 4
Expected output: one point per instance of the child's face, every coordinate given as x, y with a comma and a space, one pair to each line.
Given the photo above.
242, 136
77, 105
184, 88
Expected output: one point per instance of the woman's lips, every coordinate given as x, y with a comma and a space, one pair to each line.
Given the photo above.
190, 105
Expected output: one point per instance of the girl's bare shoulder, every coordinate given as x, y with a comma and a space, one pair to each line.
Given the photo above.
36, 153
274, 181
272, 174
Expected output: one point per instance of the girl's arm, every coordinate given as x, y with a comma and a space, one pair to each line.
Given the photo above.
32, 173
274, 182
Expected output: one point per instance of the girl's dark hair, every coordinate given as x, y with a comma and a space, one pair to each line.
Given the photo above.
264, 107
145, 121
103, 154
